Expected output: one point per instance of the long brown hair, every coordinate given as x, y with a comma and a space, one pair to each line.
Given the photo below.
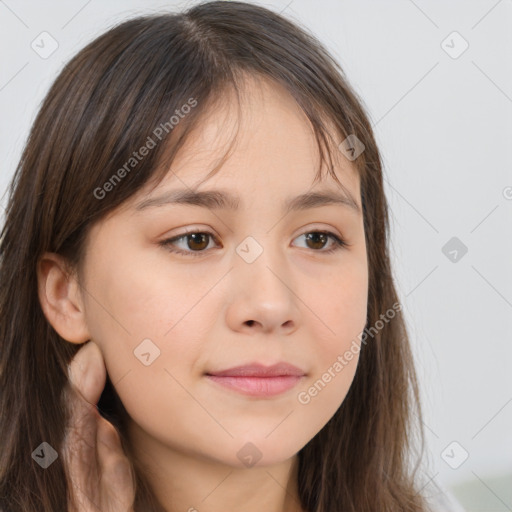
102, 107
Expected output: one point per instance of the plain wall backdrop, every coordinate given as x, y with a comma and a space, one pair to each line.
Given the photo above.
436, 79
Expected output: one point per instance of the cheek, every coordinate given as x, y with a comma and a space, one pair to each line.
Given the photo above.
335, 355
151, 339
135, 311
150, 323
341, 310
341, 305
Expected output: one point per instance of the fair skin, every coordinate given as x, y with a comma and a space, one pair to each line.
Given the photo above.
293, 303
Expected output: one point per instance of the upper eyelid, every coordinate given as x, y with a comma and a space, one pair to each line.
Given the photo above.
214, 235
192, 232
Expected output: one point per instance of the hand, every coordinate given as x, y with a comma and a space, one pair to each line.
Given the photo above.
100, 474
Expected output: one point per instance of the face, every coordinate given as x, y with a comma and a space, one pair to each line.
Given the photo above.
256, 284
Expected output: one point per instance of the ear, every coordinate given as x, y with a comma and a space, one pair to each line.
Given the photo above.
60, 298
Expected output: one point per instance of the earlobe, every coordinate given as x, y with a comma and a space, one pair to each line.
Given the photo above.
60, 298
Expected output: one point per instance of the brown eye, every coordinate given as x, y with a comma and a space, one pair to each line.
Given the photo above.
316, 240
197, 241
193, 244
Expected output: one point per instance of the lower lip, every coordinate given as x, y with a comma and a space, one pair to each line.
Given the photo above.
258, 386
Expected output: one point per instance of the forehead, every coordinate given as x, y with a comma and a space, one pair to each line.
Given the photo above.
250, 144
256, 136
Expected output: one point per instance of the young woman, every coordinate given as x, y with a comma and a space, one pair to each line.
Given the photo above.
198, 228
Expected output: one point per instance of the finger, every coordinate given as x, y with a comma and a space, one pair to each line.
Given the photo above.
81, 463
117, 484
80, 501
83, 372
87, 372
115, 468
79, 446
108, 436
87, 375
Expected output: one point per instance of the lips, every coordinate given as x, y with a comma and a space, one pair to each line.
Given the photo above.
258, 380
259, 370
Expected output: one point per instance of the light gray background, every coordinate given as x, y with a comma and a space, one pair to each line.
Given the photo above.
444, 126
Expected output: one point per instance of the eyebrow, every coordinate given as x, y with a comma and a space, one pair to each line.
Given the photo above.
220, 199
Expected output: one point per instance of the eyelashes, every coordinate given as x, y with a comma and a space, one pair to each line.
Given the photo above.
318, 237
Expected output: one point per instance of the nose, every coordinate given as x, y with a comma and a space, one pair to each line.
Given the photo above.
264, 297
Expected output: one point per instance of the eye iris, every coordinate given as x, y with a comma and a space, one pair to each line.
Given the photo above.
314, 237
195, 237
